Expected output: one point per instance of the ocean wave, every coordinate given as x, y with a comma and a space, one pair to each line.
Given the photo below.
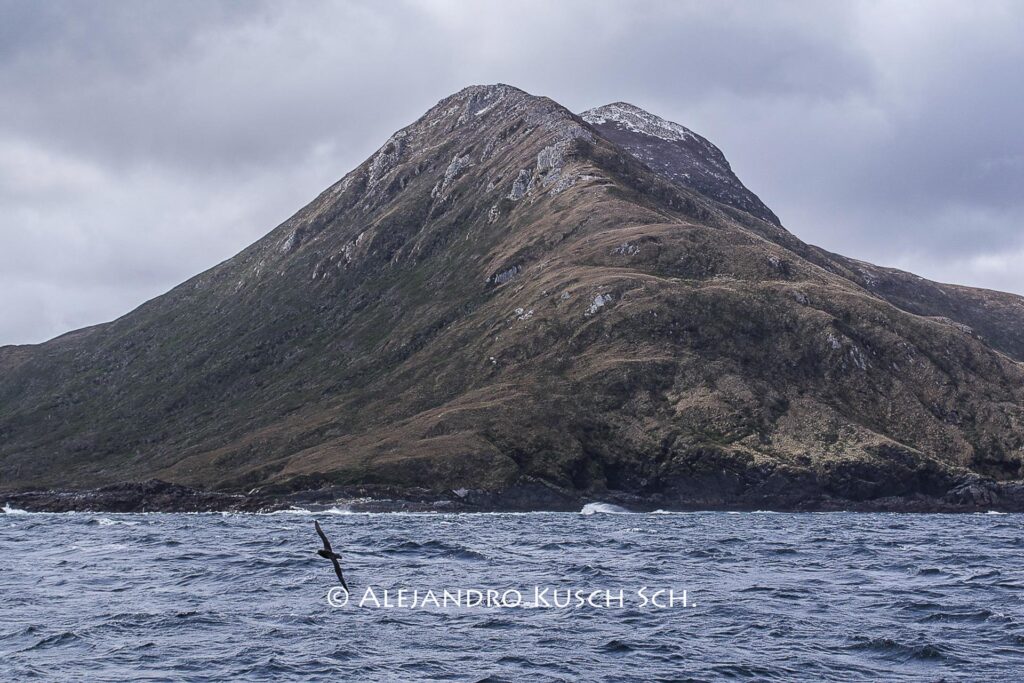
616, 646
435, 549
55, 640
107, 521
293, 510
604, 509
14, 511
889, 648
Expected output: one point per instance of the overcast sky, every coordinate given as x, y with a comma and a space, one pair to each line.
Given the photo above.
142, 142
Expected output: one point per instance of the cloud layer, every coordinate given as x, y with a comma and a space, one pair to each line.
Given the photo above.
143, 142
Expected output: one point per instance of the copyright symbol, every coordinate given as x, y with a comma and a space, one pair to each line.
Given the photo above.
337, 597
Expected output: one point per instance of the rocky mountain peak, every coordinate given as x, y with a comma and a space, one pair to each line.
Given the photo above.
470, 151
477, 126
480, 107
676, 153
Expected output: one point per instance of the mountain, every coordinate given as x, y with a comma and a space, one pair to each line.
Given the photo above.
513, 301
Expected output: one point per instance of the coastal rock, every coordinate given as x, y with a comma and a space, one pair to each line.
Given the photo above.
148, 496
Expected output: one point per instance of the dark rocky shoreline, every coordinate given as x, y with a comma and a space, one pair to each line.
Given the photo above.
971, 494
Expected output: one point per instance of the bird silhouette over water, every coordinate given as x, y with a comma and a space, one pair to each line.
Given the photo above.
329, 553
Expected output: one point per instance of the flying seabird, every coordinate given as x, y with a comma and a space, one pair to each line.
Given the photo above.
330, 555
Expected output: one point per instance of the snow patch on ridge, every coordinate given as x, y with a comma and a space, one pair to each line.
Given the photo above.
637, 120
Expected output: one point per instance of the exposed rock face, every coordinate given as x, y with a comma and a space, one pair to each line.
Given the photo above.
509, 301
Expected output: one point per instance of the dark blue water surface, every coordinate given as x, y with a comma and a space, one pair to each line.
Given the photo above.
790, 597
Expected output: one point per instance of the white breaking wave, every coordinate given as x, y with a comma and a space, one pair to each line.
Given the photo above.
107, 521
603, 508
291, 511
14, 511
303, 511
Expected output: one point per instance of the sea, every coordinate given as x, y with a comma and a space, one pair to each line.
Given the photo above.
599, 595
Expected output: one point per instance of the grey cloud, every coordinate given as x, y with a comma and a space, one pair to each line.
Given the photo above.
143, 142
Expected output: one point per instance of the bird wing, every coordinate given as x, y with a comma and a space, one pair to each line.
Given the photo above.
337, 570
323, 536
